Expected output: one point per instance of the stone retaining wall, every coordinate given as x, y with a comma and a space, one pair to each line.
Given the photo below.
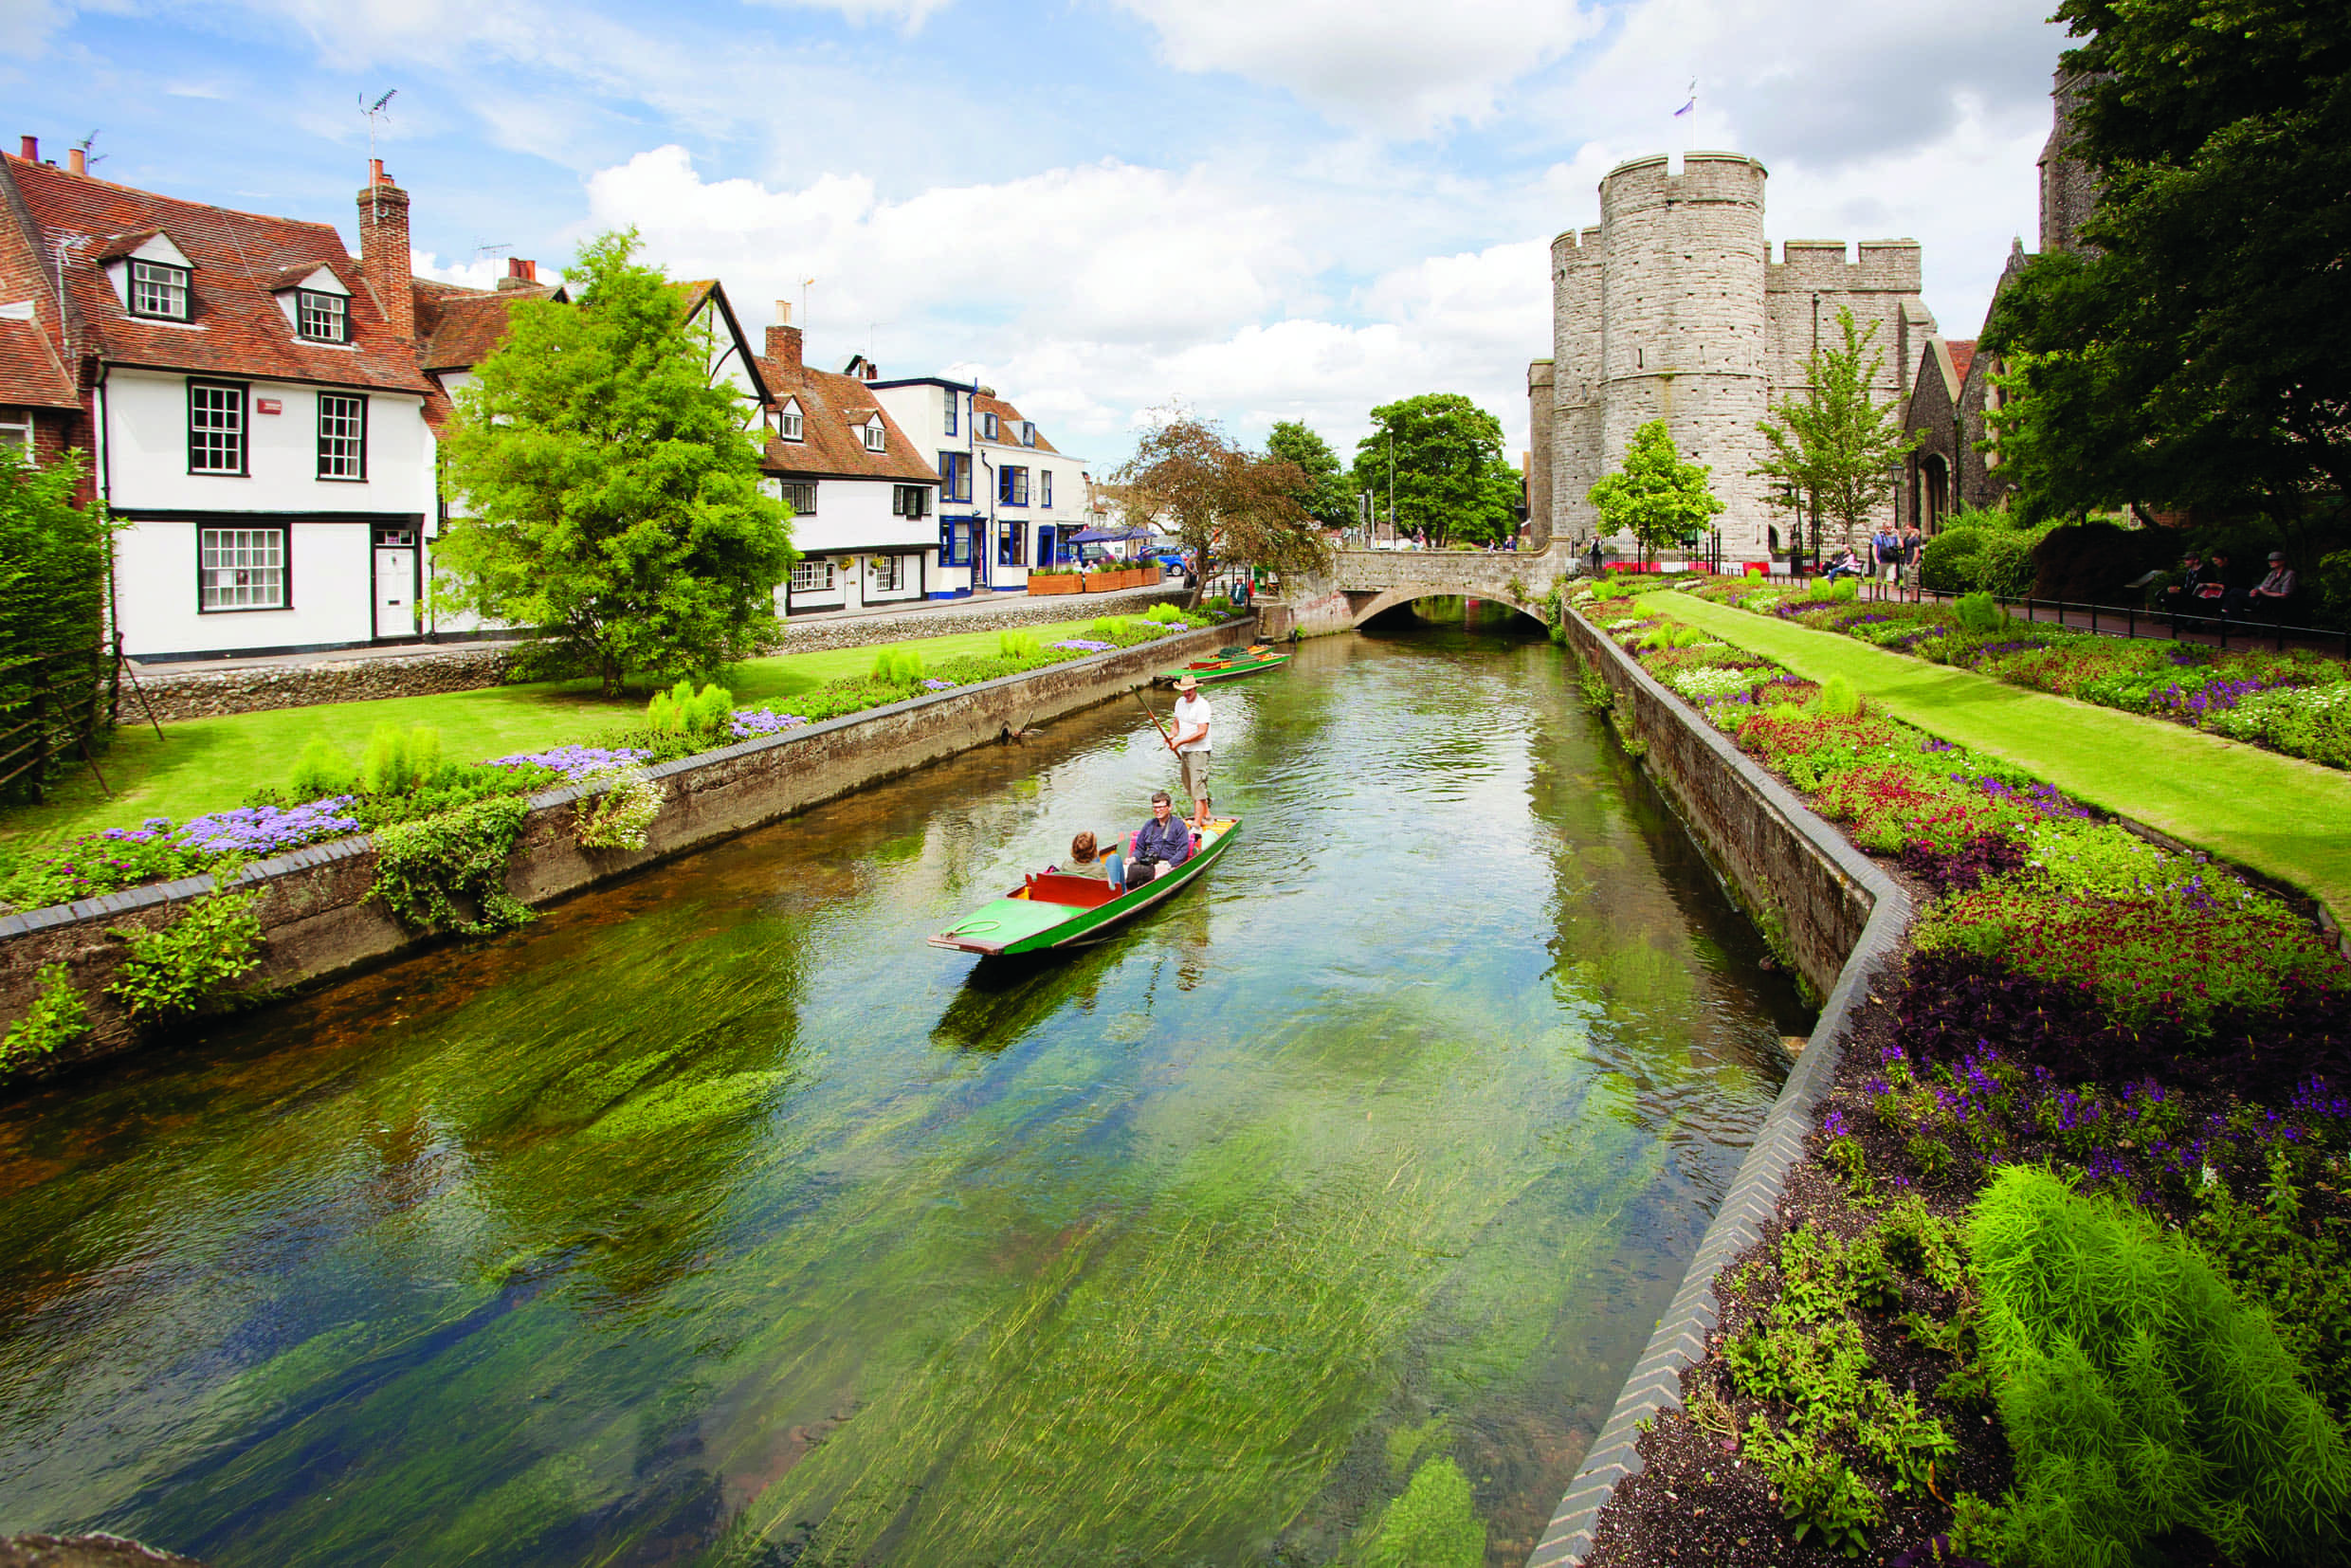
318, 918
1841, 917
197, 691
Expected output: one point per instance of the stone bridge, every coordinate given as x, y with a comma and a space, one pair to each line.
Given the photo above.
1365, 582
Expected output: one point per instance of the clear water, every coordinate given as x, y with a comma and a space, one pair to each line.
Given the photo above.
714, 1218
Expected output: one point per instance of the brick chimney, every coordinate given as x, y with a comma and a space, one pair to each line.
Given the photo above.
783, 339
28, 148
384, 249
519, 273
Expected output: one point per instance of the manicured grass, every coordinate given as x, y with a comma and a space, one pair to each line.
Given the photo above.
2278, 815
204, 764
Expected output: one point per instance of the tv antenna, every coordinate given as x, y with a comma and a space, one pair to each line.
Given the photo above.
84, 147
374, 112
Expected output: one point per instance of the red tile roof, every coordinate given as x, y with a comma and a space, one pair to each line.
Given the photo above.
455, 331
1963, 355
30, 375
832, 409
238, 328
1009, 423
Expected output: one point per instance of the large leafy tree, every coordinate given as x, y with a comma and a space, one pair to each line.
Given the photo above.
2199, 352
54, 657
1836, 449
610, 492
1327, 496
1450, 475
1656, 496
1228, 506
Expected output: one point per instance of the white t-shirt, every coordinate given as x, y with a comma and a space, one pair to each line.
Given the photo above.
1189, 712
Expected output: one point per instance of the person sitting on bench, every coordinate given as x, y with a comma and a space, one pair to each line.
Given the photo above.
2268, 596
1160, 845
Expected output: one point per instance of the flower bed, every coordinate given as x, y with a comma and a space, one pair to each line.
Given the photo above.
2095, 1129
2298, 703
158, 850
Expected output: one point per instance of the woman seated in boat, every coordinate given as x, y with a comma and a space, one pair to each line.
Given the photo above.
1162, 843
1085, 859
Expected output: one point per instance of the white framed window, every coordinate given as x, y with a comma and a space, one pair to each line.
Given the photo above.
788, 422
877, 437
1011, 486
1045, 487
342, 436
889, 573
241, 568
910, 500
17, 431
951, 414
1028, 433
216, 427
811, 577
159, 289
321, 317
988, 426
800, 495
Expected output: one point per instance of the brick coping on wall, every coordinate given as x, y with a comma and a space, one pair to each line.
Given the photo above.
807, 765
1680, 1340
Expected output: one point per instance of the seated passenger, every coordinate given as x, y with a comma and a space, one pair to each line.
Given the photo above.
1162, 845
1088, 861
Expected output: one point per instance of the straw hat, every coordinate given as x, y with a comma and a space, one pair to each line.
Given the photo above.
1187, 684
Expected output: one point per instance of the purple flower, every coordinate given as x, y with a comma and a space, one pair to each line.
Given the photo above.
576, 762
745, 722
266, 830
1083, 644
934, 683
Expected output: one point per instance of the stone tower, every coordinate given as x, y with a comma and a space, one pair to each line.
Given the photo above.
1671, 308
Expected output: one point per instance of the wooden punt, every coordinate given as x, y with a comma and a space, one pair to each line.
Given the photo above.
1050, 909
1228, 666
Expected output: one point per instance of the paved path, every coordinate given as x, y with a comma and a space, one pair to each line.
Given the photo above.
2278, 815
2209, 632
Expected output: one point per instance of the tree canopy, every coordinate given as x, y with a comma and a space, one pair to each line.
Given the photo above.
1450, 476
1327, 497
1836, 450
2199, 352
610, 492
54, 560
1656, 496
1228, 506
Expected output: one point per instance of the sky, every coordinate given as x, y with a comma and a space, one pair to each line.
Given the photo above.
1260, 210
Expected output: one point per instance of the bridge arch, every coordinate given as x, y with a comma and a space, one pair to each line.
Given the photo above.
1367, 605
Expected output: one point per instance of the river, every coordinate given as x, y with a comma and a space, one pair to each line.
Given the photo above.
714, 1218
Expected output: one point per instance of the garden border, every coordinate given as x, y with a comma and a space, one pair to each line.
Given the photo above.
317, 910
1680, 1342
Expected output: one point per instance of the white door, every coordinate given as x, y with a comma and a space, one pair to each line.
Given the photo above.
395, 592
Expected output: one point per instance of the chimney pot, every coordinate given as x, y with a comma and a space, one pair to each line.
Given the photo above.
523, 269
783, 313
28, 148
78, 161
375, 173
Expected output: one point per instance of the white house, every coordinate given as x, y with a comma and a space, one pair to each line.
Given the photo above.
1009, 500
864, 500
252, 406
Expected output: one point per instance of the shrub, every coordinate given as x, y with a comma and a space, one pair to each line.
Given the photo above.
1017, 645
1838, 699
1163, 613
622, 816
1980, 613
895, 666
185, 968
422, 868
321, 770
2139, 1396
397, 761
92, 864
1821, 590
682, 710
55, 1020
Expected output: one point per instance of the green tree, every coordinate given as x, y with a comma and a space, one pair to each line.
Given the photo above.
2199, 352
1836, 450
1229, 508
611, 493
1327, 496
1450, 476
1656, 497
53, 650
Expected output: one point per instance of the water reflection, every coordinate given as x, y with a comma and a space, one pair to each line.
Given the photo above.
714, 1216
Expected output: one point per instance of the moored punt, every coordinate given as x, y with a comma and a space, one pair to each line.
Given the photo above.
1229, 665
1052, 910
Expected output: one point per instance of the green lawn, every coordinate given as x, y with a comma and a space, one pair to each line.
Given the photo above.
2278, 815
204, 764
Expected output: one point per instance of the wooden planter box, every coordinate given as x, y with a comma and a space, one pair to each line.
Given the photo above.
1070, 583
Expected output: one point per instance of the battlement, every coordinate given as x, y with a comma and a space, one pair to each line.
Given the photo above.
1704, 177
1821, 266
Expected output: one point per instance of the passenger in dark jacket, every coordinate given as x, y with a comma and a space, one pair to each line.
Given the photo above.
1162, 845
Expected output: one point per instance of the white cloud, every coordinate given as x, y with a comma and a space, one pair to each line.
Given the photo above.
25, 24
908, 14
480, 272
1401, 65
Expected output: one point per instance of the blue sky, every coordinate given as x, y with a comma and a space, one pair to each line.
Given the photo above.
1267, 208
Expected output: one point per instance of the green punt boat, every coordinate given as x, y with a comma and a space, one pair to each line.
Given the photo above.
1229, 665
1050, 909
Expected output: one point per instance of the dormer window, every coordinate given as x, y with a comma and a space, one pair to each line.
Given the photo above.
321, 317
987, 426
788, 424
159, 289
876, 437
1028, 433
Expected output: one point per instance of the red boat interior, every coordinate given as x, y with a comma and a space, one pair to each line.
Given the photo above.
1055, 888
